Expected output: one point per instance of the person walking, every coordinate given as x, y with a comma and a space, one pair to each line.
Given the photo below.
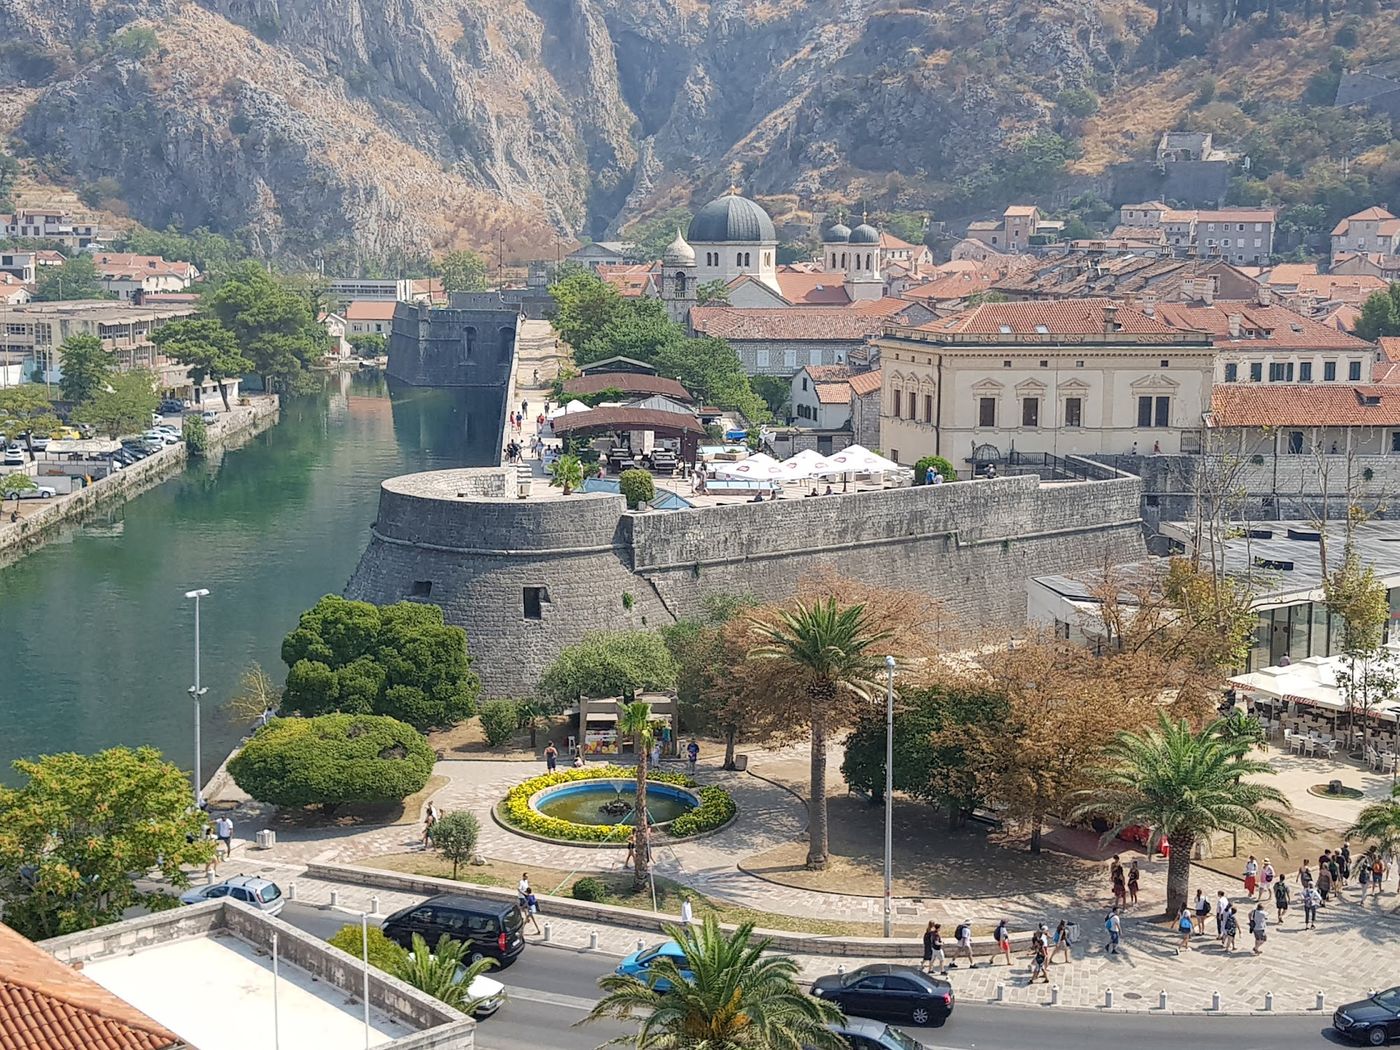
1311, 900
429, 819
551, 757
1003, 939
1324, 884
531, 909
963, 935
692, 755
1266, 880
1259, 926
1282, 897
1061, 941
1232, 928
1335, 868
1114, 925
1363, 874
1120, 883
1344, 862
1133, 877
1040, 963
211, 866
1222, 908
1184, 926
631, 857
1251, 876
687, 913
933, 949
1202, 911
223, 828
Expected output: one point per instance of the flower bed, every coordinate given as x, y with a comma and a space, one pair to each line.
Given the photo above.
716, 807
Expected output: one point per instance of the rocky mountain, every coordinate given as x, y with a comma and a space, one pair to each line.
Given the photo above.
383, 129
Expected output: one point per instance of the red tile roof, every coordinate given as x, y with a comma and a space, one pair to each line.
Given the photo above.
627, 383
813, 289
1279, 405
951, 286
1289, 274
1066, 317
1020, 210
889, 240
1346, 287
632, 280
1370, 214
1389, 346
45, 1005
828, 373
864, 383
370, 310
824, 323
834, 393
1265, 327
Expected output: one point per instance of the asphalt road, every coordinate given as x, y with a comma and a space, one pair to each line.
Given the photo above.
551, 989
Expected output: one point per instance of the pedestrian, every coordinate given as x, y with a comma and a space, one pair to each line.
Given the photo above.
1232, 928
1363, 874
963, 935
1344, 860
1311, 899
1202, 911
532, 909
535, 377
551, 757
433, 811
1061, 941
1282, 898
1324, 885
1119, 881
631, 857
1259, 926
1184, 926
1040, 963
522, 889
1114, 926
1251, 876
1222, 907
933, 949
692, 755
687, 914
524, 408
1305, 876
1003, 939
211, 866
1133, 876
1266, 879
223, 827
1335, 870
429, 819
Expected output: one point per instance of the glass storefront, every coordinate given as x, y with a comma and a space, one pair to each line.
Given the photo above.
1302, 630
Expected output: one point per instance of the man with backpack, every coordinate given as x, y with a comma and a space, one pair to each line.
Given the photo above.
1114, 926
963, 935
1282, 897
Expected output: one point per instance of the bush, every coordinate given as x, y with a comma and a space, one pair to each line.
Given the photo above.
454, 836
589, 889
384, 954
499, 721
332, 760
196, 436
716, 809
939, 464
637, 486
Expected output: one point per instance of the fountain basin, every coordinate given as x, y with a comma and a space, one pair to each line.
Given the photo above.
582, 802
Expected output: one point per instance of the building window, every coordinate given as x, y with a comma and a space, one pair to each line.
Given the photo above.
1030, 412
535, 597
1280, 371
986, 411
1354, 371
1232, 372
1395, 441
804, 382
1329, 371
1154, 411
790, 359
1256, 371
1305, 371
421, 589
897, 402
1074, 412
1295, 442
928, 408
762, 357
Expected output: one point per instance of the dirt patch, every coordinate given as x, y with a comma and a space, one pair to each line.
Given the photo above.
467, 740
383, 814
1311, 835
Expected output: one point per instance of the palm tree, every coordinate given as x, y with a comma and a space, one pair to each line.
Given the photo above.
1380, 823
634, 720
731, 996
567, 473
829, 650
444, 974
1183, 785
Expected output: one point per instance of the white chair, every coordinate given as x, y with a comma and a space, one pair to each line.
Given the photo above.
1310, 747
1388, 763
1296, 742
1331, 747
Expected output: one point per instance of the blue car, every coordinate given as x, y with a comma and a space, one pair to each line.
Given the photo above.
639, 963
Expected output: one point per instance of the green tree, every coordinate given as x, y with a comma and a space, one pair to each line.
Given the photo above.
634, 720
908, 225
79, 830
75, 279
401, 660
271, 324
384, 954
207, 347
445, 973
333, 760
637, 486
9, 171
1380, 823
641, 330
14, 484
776, 392
124, 406
609, 663
1182, 784
566, 472
710, 369
1356, 597
729, 993
463, 271
499, 721
584, 305
196, 435
368, 344
1379, 317
712, 293
940, 466
649, 239
136, 42
454, 836
828, 649
213, 253
86, 366
26, 409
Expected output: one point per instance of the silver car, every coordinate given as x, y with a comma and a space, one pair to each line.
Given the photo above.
249, 889
875, 1035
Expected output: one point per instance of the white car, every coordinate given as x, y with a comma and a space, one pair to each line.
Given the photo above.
490, 993
261, 894
161, 437
14, 456
38, 492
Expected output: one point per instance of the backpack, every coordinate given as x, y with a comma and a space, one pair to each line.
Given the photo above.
1184, 923
1251, 923
961, 932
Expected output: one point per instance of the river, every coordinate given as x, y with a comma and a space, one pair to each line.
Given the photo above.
96, 637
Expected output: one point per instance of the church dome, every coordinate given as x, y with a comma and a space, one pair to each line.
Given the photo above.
838, 234
865, 234
678, 253
730, 219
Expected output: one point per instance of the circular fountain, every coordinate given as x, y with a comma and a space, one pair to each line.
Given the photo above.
610, 802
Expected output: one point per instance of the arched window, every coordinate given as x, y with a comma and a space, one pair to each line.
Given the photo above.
843, 260
868, 264
468, 342
507, 342
738, 258
680, 284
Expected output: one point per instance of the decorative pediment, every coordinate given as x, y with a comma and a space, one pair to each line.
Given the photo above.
987, 387
1030, 388
1072, 387
1155, 381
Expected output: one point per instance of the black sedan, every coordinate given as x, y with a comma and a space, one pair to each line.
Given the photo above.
882, 990
1375, 1021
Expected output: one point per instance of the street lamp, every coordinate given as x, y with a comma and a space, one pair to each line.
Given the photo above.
889, 785
197, 691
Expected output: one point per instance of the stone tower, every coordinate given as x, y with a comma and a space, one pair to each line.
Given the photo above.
678, 279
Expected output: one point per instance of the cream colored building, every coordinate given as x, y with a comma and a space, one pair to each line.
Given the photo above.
1061, 378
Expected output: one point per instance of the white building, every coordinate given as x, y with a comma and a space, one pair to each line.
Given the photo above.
732, 237
1372, 230
129, 276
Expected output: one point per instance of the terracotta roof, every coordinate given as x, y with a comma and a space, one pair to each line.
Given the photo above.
834, 393
1347, 287
1067, 317
632, 280
1236, 215
1389, 345
1175, 215
371, 310
889, 240
1344, 319
828, 373
1147, 206
984, 224
1280, 405
1289, 273
49, 257
628, 383
627, 419
1265, 327
1370, 214
951, 286
126, 264
45, 1005
864, 383
813, 289
835, 323
1020, 210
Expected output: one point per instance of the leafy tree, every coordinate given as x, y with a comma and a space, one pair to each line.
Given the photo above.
333, 760
196, 435
86, 365
124, 406
463, 271
712, 293
584, 305
499, 721
1379, 822
368, 344
566, 472
1182, 784
1379, 315
136, 42
9, 171
454, 835
207, 347
609, 663
776, 392
637, 486
271, 323
384, 954
1356, 597
634, 720
14, 484
650, 238
640, 329
79, 830
75, 279
445, 973
940, 466
710, 369
908, 225
213, 253
729, 993
26, 409
401, 660
1077, 103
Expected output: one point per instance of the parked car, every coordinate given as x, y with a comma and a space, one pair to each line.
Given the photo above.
161, 437
491, 993
40, 442
38, 492
639, 963
1375, 1021
172, 406
68, 434
884, 990
494, 929
14, 456
258, 893
862, 1034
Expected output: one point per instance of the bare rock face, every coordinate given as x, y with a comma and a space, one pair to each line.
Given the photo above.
353, 130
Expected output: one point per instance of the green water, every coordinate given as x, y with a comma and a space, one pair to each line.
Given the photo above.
581, 806
96, 638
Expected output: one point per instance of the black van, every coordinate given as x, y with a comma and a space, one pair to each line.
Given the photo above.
494, 929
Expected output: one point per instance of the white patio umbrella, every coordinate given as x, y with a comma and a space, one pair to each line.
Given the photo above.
857, 459
759, 465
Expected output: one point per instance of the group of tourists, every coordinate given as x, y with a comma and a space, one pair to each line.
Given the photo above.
1045, 948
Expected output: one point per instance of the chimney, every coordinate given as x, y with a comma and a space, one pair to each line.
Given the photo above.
1149, 304
1235, 320
1207, 287
1110, 319
1266, 295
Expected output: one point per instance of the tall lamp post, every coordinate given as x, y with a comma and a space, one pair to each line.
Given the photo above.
197, 691
889, 786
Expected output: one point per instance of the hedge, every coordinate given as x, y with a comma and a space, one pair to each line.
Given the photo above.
716, 807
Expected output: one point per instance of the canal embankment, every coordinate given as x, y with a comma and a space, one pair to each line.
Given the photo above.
43, 520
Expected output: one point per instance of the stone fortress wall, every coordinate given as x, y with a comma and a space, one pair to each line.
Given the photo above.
526, 577
471, 342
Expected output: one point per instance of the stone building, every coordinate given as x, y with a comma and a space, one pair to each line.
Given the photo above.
471, 342
780, 341
836, 406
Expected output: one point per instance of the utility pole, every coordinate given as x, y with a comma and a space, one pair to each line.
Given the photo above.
889, 788
197, 691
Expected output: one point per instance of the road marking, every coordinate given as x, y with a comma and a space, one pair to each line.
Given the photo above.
532, 995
